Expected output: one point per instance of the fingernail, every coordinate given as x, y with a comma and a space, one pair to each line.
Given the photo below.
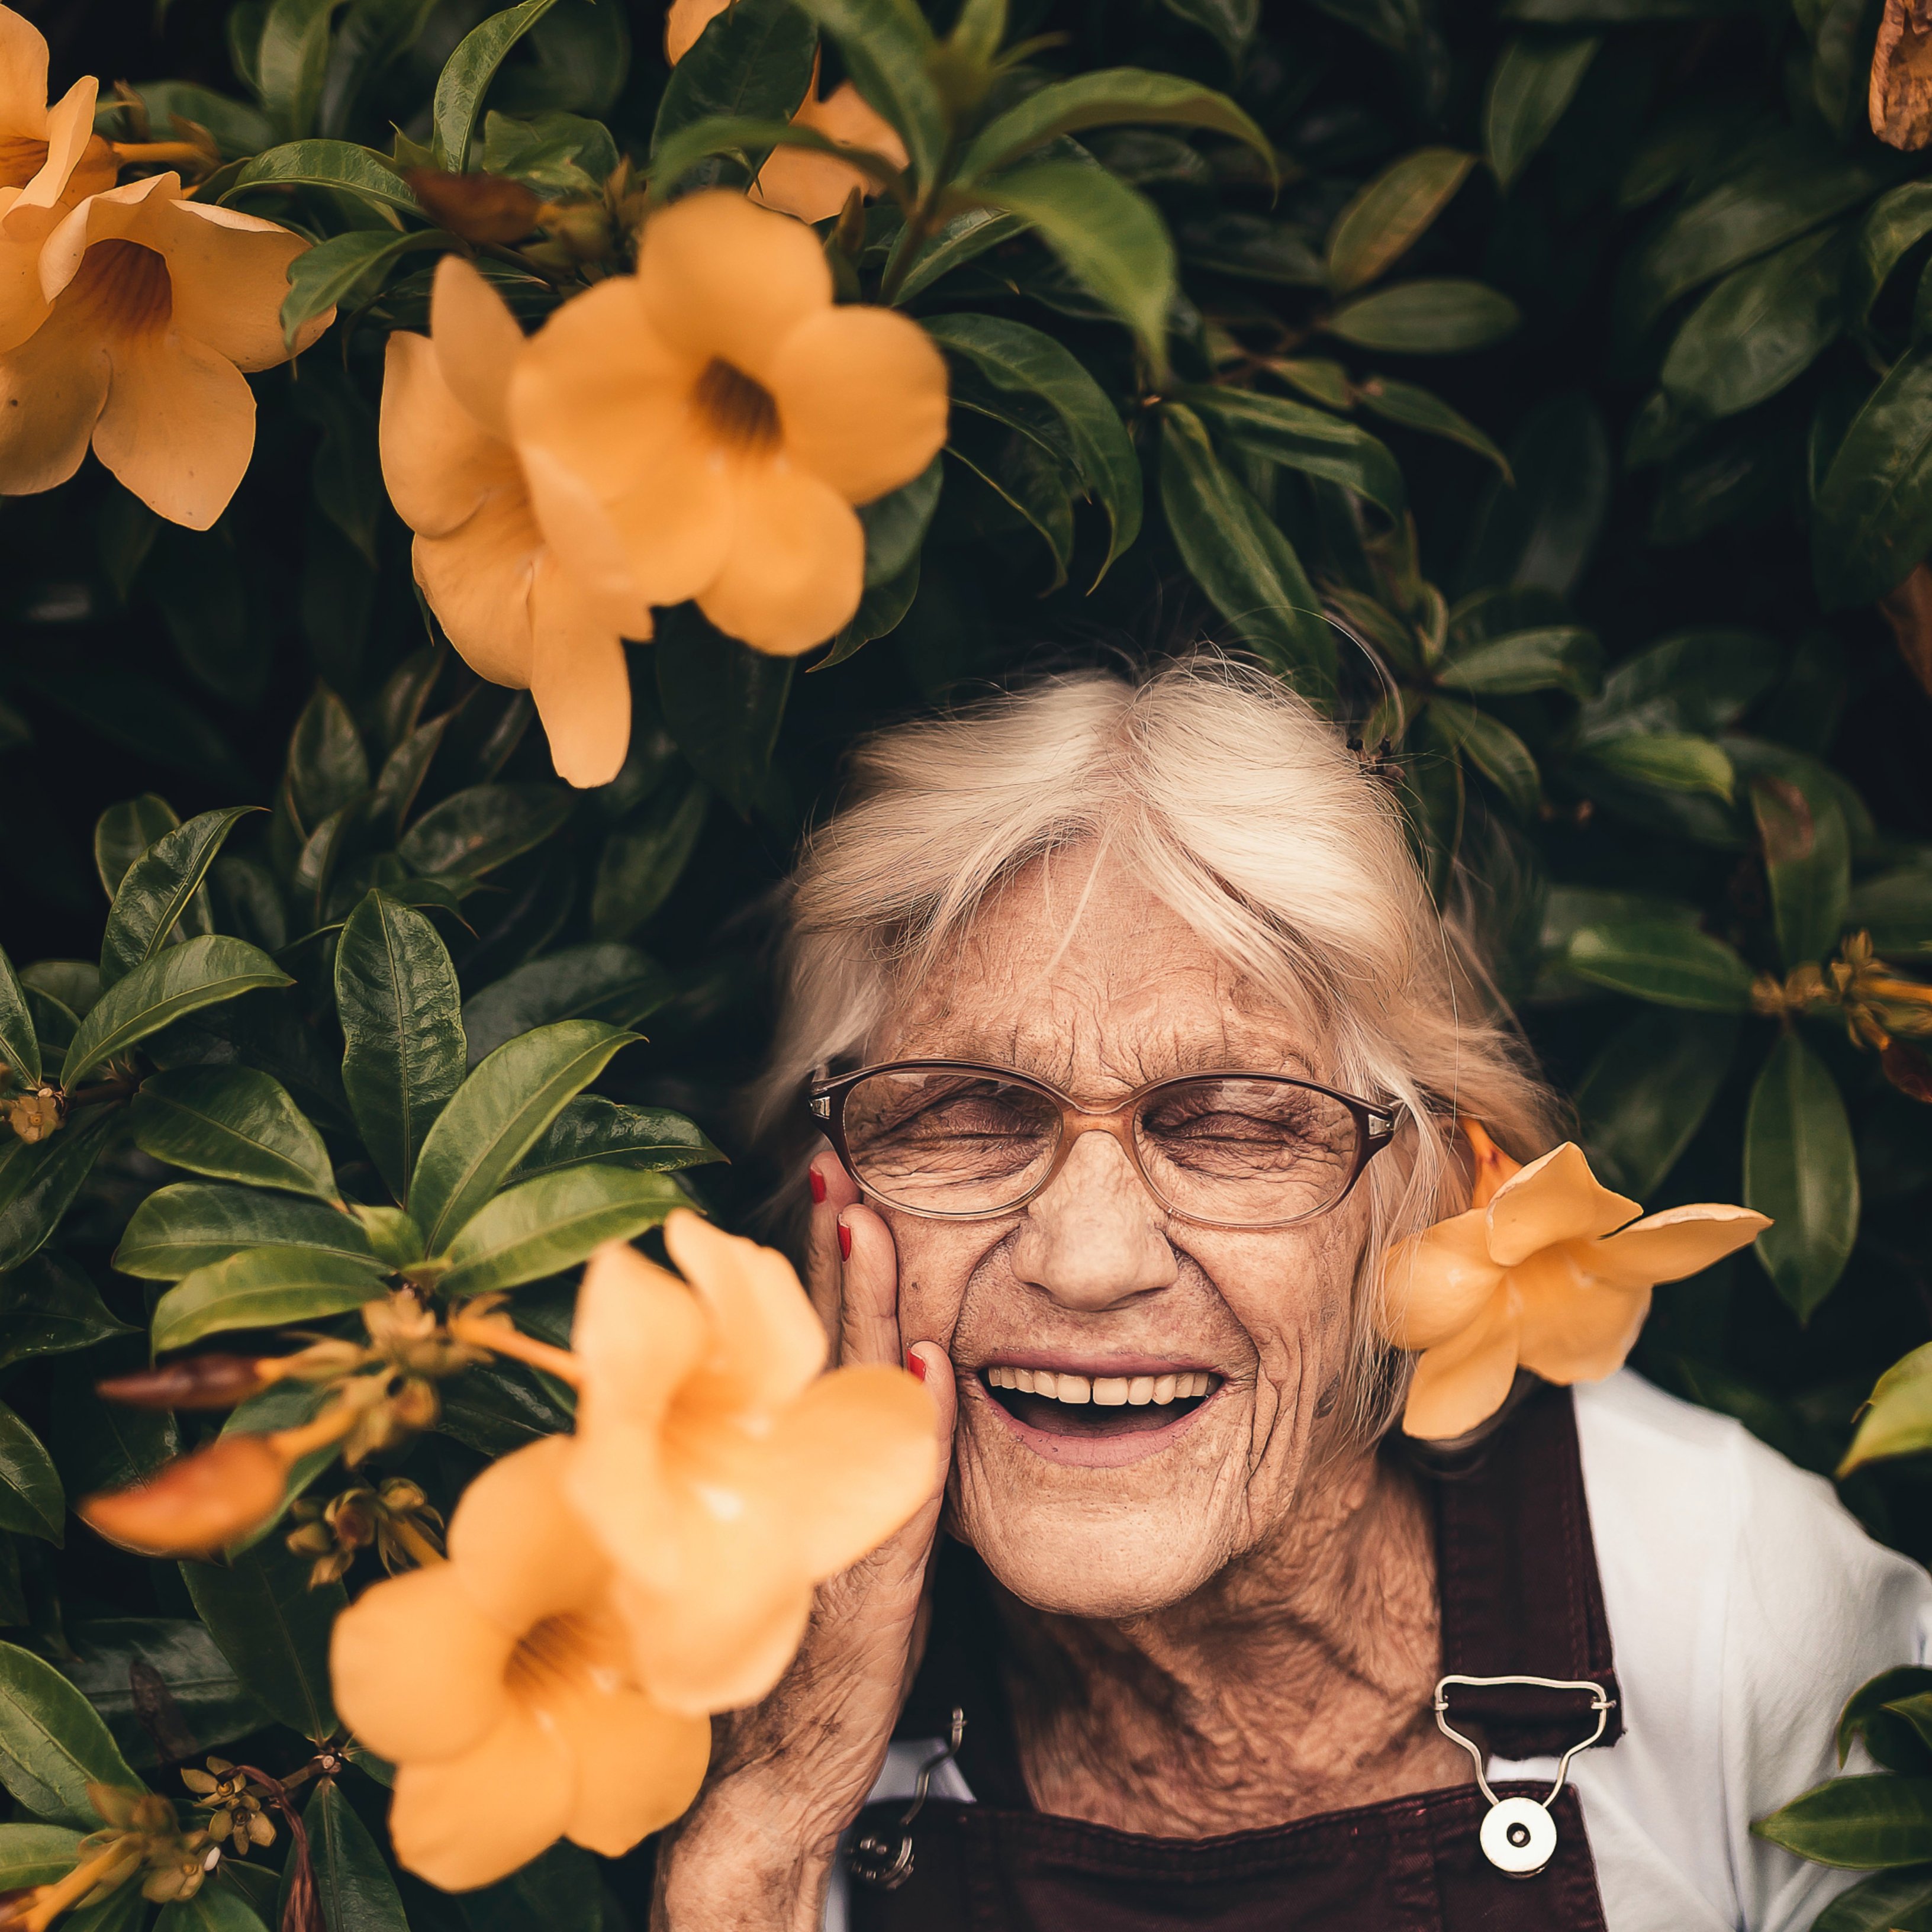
817, 1185
916, 1363
845, 1241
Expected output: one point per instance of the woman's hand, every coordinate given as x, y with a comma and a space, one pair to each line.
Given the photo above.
754, 1853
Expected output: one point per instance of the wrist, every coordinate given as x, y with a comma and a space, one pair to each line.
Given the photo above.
745, 1858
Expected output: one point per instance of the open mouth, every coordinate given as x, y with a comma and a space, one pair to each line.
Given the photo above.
1056, 1403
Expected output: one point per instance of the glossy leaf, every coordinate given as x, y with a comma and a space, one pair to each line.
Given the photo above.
177, 1230
352, 1880
1892, 227
291, 59
156, 890
52, 1309
1233, 550
1535, 78
403, 1052
886, 45
1662, 960
643, 859
215, 1908
1896, 908
1298, 437
124, 1665
1872, 519
896, 523
1390, 214
1493, 749
753, 61
1888, 1901
336, 268
496, 1116
32, 1855
1857, 1822
273, 1629
1417, 409
1537, 530
1425, 318
1110, 237
1561, 657
179, 980
52, 1744
1105, 98
125, 831
328, 164
1647, 1093
1675, 761
723, 702
544, 1225
1699, 681
1800, 1168
467, 75
616, 984
1807, 859
1014, 466
19, 1040
1877, 1710
39, 1183
954, 243
263, 1287
593, 1129
1898, 1422
32, 1500
474, 832
232, 1123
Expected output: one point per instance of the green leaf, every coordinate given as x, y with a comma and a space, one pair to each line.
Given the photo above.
273, 1629
953, 243
38, 1184
616, 984
1557, 657
52, 1309
403, 1052
1442, 317
1662, 960
1888, 1901
393, 1236
1800, 1168
1537, 530
125, 831
263, 1287
1896, 908
1232, 22
119, 1663
353, 1882
215, 1908
1897, 1745
1234, 551
1675, 761
1898, 1422
880, 612
896, 522
644, 858
498, 1406
467, 75
545, 1226
32, 1855
723, 702
887, 46
1417, 409
497, 1115
1808, 857
1110, 237
20, 1042
1760, 327
1534, 81
553, 153
291, 60
239, 129
232, 1123
593, 1129
562, 1890
473, 833
1016, 469
1872, 520
752, 61
180, 980
1023, 360
32, 1500
52, 1745
1389, 215
338, 267
752, 140
1105, 98
1493, 749
1300, 438
74, 983
1857, 1822
1646, 1093
1699, 681
156, 890
1893, 226
330, 164
103, 1445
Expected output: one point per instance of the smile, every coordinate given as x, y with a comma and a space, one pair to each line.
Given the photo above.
1070, 1416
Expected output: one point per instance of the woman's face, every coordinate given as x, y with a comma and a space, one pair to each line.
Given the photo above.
1112, 1509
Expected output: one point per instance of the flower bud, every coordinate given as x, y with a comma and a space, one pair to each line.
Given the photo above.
478, 207
198, 1504
194, 1382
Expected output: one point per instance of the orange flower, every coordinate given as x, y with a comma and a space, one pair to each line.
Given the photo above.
722, 1473
156, 304
1536, 1275
517, 613
727, 417
500, 1684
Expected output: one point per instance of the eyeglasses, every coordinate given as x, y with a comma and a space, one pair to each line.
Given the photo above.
955, 1141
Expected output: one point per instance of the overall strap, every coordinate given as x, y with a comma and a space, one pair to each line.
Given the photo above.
1517, 1572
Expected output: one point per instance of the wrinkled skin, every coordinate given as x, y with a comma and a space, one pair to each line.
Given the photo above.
1247, 1611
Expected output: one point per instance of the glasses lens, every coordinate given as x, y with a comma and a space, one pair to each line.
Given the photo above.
943, 1140
1247, 1152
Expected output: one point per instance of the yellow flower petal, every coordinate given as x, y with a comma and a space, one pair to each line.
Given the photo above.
861, 394
638, 1766
796, 567
1463, 1381
178, 426
813, 187
1435, 1283
1678, 1242
580, 678
418, 1667
477, 342
1574, 1327
229, 273
478, 581
438, 464
718, 277
521, 1552
718, 1649
685, 21
1555, 1198
469, 1820
51, 388
23, 77
767, 1345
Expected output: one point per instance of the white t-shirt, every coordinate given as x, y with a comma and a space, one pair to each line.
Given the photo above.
1745, 1606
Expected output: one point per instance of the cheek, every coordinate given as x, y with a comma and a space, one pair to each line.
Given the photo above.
1294, 1293
936, 1262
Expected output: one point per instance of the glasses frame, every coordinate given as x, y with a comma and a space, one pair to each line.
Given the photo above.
1375, 1127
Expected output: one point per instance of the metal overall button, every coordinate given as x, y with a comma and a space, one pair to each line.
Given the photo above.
1519, 1836
887, 1862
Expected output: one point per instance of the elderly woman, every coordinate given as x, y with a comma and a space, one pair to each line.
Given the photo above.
1134, 1045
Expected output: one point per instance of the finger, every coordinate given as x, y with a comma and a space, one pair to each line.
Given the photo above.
868, 1312
832, 1189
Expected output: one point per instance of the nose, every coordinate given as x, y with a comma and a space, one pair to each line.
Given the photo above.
1092, 1239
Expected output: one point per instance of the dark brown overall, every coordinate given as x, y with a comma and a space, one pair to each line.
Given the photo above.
1520, 1595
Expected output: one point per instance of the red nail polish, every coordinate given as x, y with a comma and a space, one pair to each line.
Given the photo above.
916, 1363
845, 1241
817, 1185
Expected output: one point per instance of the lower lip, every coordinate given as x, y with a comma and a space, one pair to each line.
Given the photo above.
1094, 1452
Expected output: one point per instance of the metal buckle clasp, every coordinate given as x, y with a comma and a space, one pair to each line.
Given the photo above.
877, 1861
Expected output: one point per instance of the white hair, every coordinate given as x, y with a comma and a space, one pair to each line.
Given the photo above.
1238, 806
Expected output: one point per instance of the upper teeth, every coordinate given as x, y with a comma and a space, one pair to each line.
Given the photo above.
1111, 1390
